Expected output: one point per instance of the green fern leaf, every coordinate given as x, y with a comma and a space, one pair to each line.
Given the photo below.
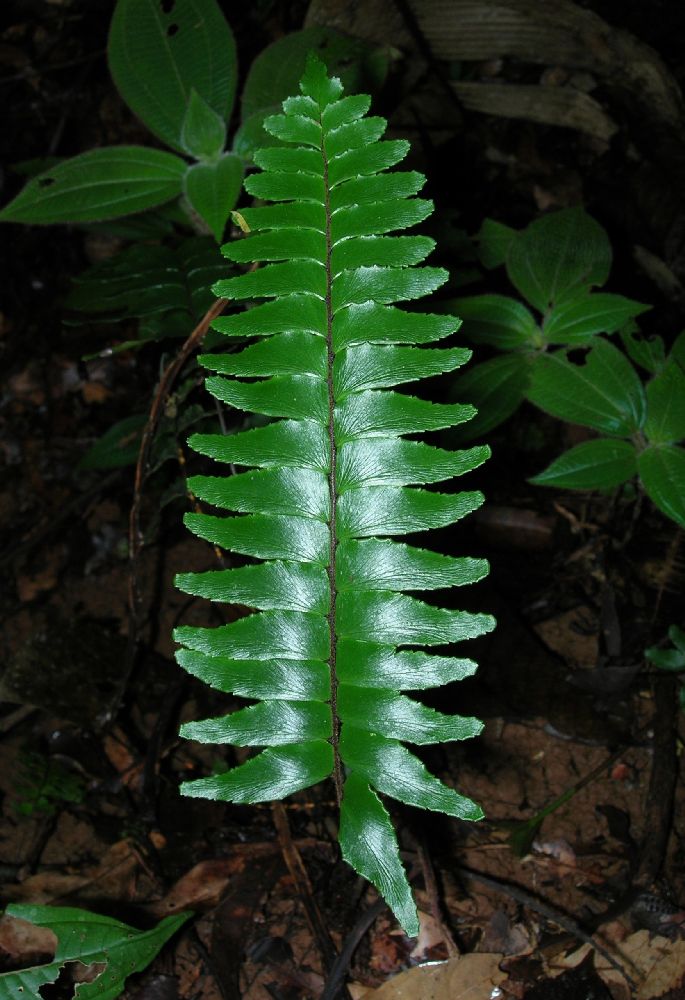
330, 479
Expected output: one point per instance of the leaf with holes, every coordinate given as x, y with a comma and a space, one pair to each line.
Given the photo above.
330, 480
88, 939
101, 184
603, 391
160, 51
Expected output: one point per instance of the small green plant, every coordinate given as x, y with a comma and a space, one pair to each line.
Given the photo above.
332, 479
174, 63
555, 355
88, 939
671, 659
43, 785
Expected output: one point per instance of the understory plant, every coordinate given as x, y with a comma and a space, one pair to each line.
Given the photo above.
332, 477
174, 63
554, 353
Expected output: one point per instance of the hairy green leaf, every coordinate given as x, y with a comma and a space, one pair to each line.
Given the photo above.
576, 320
87, 938
494, 240
498, 320
603, 392
592, 465
160, 52
327, 481
648, 352
101, 184
665, 422
212, 190
662, 471
496, 388
203, 133
557, 254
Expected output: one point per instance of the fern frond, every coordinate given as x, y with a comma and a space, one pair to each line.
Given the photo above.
332, 478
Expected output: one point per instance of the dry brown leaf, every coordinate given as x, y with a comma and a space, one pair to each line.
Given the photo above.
23, 943
469, 977
201, 887
660, 961
114, 877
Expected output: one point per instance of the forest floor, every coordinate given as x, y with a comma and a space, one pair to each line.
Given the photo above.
585, 901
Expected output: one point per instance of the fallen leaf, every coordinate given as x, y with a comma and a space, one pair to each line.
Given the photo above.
200, 888
657, 963
23, 943
114, 877
469, 977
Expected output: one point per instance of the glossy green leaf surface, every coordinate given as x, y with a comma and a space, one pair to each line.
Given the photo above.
87, 938
592, 465
603, 391
101, 184
159, 53
321, 488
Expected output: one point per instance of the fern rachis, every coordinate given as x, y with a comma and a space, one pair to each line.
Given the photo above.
330, 479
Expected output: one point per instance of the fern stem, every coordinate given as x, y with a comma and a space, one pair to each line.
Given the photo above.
335, 736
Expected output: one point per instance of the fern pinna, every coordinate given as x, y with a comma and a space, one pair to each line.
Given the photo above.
331, 477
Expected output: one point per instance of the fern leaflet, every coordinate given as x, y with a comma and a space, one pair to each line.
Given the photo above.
330, 479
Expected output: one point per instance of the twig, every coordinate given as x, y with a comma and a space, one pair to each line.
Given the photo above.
135, 540
662, 783
434, 898
339, 968
298, 873
526, 898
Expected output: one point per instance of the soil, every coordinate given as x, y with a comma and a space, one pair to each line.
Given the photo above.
90, 760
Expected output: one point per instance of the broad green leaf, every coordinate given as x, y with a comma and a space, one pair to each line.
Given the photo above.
159, 51
677, 637
203, 133
329, 479
275, 73
212, 190
603, 391
678, 350
494, 240
495, 319
558, 253
667, 659
577, 319
665, 421
662, 471
87, 938
647, 352
592, 465
118, 446
101, 184
496, 388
